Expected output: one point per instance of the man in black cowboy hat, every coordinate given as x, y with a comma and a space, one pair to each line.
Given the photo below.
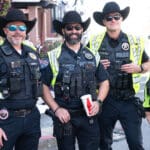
124, 58
20, 85
73, 72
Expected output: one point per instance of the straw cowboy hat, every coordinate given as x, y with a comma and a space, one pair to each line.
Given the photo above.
110, 7
70, 17
15, 15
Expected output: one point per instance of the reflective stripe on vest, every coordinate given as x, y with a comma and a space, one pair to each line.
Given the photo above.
136, 51
53, 59
146, 103
53, 55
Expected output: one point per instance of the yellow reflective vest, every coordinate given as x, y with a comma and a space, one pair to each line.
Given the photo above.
136, 52
146, 103
53, 56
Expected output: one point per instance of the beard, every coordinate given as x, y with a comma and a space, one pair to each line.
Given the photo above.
16, 39
72, 40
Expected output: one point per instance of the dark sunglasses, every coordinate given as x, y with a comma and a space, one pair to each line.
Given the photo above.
110, 18
70, 27
14, 28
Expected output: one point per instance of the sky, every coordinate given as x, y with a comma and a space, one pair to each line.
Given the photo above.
137, 23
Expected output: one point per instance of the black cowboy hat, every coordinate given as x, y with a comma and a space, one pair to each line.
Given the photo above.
15, 15
109, 8
70, 17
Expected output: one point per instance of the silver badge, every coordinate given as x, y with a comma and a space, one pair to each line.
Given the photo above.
88, 56
125, 46
33, 56
4, 114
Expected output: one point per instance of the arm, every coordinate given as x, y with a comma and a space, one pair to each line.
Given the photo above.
59, 112
134, 68
147, 113
103, 90
102, 93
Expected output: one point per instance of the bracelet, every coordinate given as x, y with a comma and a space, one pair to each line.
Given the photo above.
56, 109
142, 69
100, 102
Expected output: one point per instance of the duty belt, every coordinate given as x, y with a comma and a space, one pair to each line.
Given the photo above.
76, 112
120, 94
21, 112
5, 113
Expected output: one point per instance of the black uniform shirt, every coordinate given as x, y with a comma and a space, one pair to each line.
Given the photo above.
47, 74
114, 43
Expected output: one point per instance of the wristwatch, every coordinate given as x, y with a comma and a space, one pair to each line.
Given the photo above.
142, 69
100, 102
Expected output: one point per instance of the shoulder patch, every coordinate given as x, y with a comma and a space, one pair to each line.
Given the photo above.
6, 50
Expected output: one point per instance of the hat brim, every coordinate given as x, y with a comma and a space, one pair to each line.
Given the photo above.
58, 25
4, 22
99, 16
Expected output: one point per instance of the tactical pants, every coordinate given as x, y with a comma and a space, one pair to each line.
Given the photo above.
85, 131
22, 132
126, 112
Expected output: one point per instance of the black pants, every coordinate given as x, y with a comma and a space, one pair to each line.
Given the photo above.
126, 112
86, 132
23, 133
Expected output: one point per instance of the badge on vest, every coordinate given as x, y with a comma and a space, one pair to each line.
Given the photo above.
4, 114
33, 56
88, 56
125, 46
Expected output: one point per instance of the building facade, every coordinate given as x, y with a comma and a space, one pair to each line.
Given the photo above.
43, 11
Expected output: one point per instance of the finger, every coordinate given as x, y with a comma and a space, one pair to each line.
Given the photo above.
1, 143
5, 137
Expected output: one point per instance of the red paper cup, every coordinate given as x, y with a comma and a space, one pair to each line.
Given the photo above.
87, 103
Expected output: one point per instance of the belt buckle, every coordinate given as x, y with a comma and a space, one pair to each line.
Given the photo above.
4, 114
22, 113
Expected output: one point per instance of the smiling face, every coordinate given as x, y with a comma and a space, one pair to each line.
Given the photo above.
73, 33
113, 22
15, 32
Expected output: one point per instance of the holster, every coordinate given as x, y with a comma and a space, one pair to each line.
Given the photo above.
139, 104
61, 129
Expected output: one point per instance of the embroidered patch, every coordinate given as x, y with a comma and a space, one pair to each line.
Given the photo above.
125, 46
4, 114
33, 56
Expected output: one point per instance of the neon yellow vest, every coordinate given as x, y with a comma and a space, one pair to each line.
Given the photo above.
53, 55
146, 103
136, 51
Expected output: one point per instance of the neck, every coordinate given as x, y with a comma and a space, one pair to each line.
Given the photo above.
113, 34
17, 48
74, 47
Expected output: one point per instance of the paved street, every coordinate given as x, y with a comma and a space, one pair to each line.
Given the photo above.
48, 142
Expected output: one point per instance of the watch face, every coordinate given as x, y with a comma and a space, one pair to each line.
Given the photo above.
100, 102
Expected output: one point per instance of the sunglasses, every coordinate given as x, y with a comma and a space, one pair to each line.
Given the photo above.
110, 18
15, 27
70, 27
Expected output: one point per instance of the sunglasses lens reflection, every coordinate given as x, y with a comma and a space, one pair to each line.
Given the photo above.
14, 28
